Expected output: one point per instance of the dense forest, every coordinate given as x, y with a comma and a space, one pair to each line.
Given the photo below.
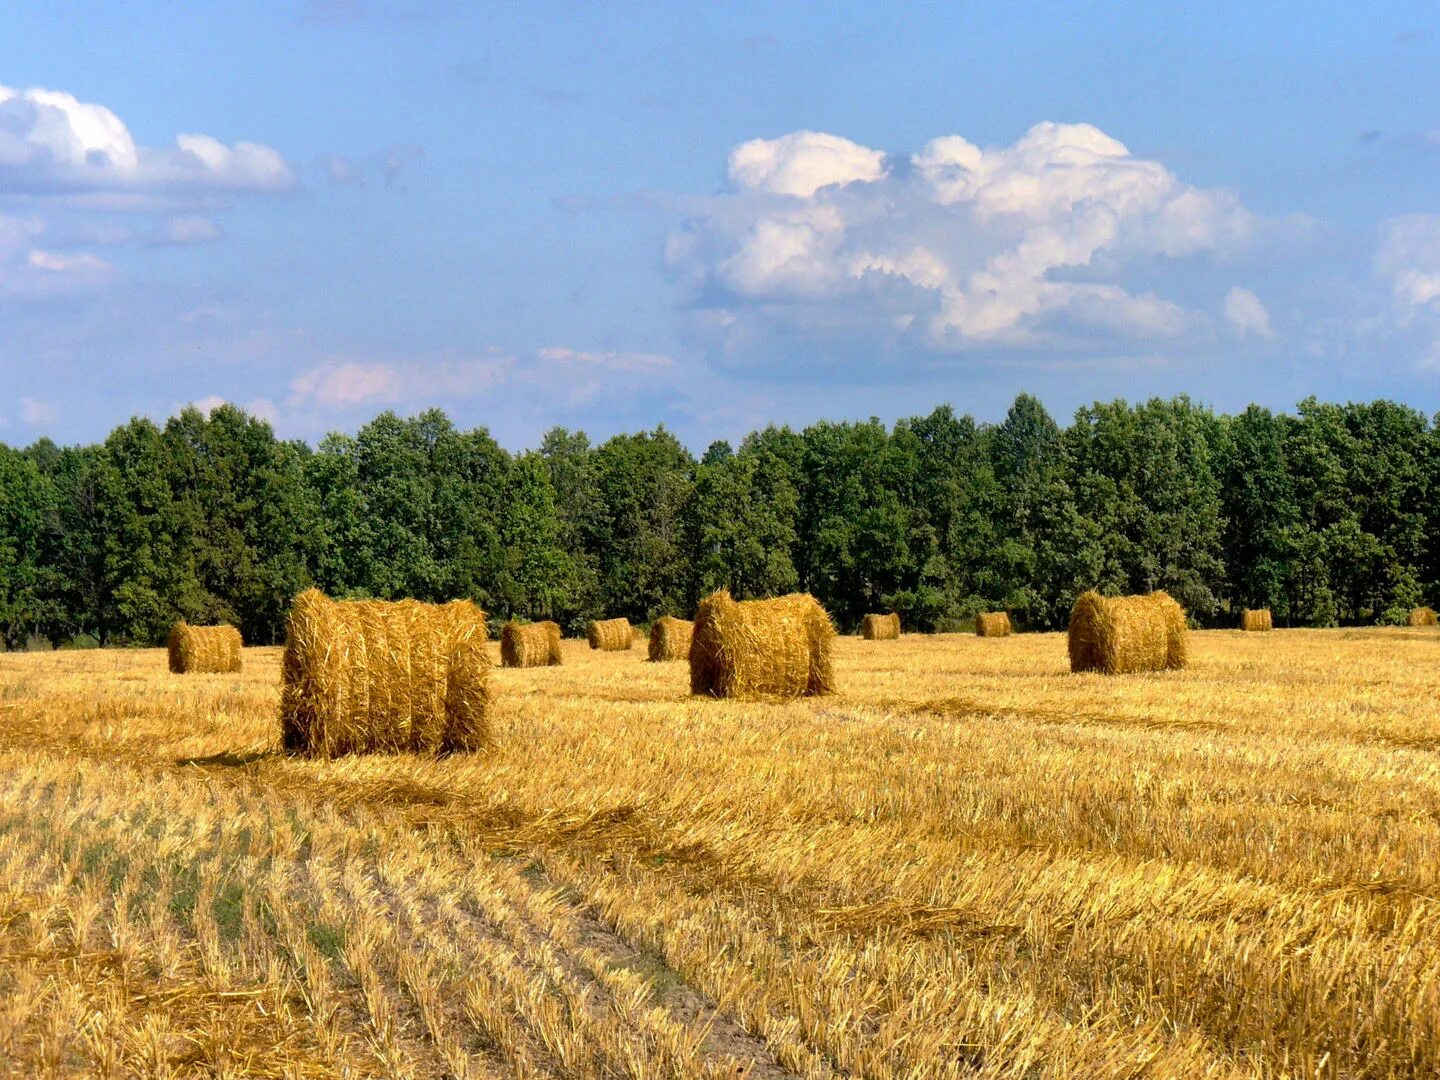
1327, 516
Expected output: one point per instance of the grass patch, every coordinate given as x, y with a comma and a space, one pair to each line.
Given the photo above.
328, 939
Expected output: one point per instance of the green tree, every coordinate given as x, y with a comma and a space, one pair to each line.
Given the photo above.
341, 536
26, 501
540, 580
740, 530
1144, 479
246, 521
855, 540
644, 482
1261, 516
147, 579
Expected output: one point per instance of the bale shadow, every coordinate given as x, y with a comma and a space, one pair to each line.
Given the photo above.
227, 759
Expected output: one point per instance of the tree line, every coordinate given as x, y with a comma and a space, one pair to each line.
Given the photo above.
1327, 516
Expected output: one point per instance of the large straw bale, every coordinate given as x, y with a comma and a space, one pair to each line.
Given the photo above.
362, 676
880, 627
993, 624
1422, 616
761, 648
1256, 619
670, 638
1116, 635
204, 649
530, 644
612, 635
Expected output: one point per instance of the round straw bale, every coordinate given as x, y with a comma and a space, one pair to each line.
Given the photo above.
612, 635
361, 676
1422, 616
1256, 619
992, 624
214, 649
880, 627
761, 648
670, 638
530, 644
1116, 635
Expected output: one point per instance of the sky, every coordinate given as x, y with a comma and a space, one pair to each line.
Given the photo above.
716, 217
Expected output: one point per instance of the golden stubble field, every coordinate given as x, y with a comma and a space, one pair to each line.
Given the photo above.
969, 863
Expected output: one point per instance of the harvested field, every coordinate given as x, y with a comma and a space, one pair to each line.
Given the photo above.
967, 863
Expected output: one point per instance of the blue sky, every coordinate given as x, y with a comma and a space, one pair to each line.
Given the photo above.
608, 216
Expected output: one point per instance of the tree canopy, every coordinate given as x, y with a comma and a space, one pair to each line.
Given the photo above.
1327, 515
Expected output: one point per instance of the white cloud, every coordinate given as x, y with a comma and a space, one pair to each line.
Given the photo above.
209, 404
1246, 314
346, 384
802, 162
958, 247
50, 143
30, 271
1408, 255
263, 409
58, 263
37, 413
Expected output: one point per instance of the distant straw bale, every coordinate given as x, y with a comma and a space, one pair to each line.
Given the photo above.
993, 624
670, 638
1256, 619
1117, 635
1422, 616
530, 644
761, 648
612, 635
366, 676
880, 627
204, 649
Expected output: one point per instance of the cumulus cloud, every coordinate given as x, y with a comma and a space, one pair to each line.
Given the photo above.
953, 247
1246, 314
51, 142
802, 163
